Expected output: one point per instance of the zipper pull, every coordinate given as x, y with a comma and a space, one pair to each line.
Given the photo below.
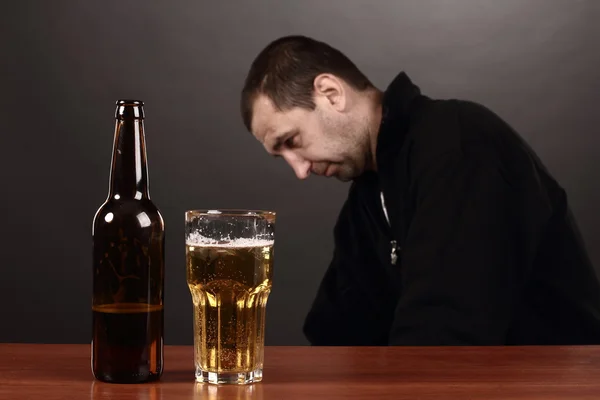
394, 254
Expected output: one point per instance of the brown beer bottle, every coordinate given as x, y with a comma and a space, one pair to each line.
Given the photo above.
128, 249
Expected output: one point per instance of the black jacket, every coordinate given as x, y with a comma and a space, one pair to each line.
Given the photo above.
487, 250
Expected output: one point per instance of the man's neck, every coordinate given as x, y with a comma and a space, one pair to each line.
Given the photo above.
374, 114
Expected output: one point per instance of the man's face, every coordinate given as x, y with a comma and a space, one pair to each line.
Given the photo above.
322, 141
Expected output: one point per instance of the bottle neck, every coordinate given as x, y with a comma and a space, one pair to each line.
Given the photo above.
129, 171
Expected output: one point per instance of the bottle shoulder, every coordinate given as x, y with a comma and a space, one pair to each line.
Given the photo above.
131, 213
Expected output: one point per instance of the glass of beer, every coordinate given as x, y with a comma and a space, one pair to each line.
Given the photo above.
229, 264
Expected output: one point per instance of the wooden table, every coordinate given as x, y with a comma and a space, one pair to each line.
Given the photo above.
36, 371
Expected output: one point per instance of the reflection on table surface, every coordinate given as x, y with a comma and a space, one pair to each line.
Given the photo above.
158, 391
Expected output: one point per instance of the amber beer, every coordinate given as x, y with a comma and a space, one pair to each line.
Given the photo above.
128, 263
230, 279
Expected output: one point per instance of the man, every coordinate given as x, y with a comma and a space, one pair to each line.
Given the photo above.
453, 232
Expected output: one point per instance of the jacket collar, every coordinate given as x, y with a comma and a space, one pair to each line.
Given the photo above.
396, 108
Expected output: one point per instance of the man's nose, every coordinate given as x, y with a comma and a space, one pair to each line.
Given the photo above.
300, 166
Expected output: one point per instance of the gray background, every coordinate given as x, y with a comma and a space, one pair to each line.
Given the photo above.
64, 64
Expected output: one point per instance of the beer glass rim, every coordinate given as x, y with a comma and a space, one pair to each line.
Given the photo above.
236, 212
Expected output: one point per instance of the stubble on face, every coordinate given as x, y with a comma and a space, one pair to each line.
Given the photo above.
344, 136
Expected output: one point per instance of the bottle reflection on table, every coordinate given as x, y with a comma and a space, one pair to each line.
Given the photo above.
145, 391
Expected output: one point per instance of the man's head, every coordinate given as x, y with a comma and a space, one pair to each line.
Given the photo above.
308, 103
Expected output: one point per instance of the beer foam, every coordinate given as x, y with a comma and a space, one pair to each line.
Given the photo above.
196, 239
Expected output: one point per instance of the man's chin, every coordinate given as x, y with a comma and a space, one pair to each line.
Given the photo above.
341, 172
345, 176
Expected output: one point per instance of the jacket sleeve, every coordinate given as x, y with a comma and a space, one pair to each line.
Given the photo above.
466, 256
346, 310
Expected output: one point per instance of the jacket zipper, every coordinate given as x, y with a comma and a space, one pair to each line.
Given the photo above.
393, 243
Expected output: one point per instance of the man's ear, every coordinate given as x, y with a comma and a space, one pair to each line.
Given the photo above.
330, 88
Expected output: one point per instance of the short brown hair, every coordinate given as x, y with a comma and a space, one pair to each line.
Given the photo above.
285, 71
